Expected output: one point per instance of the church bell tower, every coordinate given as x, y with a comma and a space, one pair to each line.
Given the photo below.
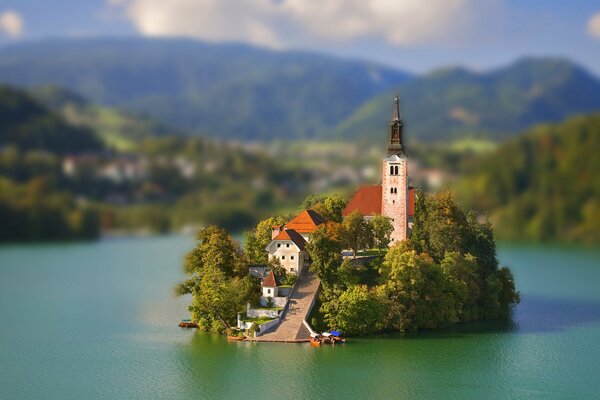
394, 181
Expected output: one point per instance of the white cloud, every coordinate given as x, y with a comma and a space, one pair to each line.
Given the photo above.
11, 24
594, 26
282, 23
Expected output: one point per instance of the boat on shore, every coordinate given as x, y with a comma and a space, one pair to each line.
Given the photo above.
315, 340
187, 323
235, 338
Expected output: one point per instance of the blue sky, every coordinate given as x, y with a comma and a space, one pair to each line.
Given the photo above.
408, 34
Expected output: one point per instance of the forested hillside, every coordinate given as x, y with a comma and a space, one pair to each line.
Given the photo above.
543, 185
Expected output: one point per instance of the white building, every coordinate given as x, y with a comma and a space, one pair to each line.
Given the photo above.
288, 242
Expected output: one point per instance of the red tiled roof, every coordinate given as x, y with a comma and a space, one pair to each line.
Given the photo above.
290, 234
366, 199
269, 281
305, 222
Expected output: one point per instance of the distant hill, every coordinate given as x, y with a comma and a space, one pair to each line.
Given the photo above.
543, 185
117, 129
225, 90
453, 103
31, 126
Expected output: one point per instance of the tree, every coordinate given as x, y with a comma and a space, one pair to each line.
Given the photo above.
329, 207
446, 226
463, 277
218, 282
217, 298
214, 248
257, 239
274, 265
356, 233
416, 292
382, 230
419, 235
358, 310
325, 251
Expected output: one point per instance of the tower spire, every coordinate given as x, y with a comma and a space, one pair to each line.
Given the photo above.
395, 145
396, 114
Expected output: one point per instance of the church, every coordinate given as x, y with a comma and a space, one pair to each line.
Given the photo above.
393, 198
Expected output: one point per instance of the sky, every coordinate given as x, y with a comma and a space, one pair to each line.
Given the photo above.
414, 35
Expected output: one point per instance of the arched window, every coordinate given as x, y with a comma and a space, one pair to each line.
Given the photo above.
392, 190
391, 170
268, 291
396, 170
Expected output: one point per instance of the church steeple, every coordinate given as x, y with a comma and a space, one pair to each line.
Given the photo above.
395, 145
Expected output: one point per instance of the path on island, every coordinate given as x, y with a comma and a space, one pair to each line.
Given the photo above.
291, 327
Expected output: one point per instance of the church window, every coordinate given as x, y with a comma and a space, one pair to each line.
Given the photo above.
396, 170
292, 257
268, 291
391, 170
392, 190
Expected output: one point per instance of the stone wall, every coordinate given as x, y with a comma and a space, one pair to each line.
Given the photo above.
277, 301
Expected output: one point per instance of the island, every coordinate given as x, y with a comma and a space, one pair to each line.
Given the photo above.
392, 258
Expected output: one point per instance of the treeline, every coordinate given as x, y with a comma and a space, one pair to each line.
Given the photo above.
446, 272
176, 180
36, 211
542, 186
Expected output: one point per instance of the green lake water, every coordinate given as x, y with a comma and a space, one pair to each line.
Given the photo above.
98, 321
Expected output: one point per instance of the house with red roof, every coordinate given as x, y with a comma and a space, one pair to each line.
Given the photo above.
288, 241
393, 198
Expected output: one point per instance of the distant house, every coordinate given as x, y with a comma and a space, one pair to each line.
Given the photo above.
289, 241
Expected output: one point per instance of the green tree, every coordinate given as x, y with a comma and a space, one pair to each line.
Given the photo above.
446, 225
219, 298
325, 251
382, 230
417, 293
356, 233
257, 239
419, 235
463, 278
329, 207
357, 310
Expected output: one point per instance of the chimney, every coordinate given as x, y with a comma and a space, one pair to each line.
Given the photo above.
275, 231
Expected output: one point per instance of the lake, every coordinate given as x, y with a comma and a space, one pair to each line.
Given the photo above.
99, 321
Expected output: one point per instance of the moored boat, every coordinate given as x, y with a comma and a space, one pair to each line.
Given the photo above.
337, 337
315, 340
187, 323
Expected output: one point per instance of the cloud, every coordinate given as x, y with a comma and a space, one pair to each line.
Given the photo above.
11, 24
593, 27
284, 23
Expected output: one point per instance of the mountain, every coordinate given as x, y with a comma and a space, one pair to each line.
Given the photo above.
31, 126
543, 185
454, 102
224, 90
118, 129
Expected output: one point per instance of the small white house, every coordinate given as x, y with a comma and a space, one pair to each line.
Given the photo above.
269, 285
